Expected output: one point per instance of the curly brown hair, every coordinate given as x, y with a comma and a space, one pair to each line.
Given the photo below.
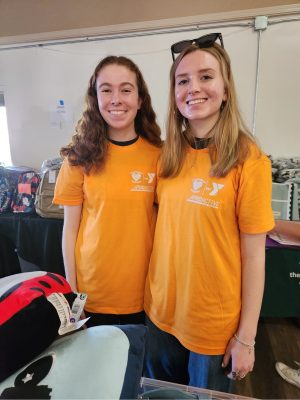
89, 144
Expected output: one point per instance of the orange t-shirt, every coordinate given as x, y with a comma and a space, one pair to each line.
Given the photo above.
193, 288
116, 230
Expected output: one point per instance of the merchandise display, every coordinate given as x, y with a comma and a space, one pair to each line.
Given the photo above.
286, 187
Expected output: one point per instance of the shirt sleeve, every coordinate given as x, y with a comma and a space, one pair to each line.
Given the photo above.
69, 185
254, 200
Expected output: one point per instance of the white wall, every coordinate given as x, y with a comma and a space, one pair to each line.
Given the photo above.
35, 79
278, 110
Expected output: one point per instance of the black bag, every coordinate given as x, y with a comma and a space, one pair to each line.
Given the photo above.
6, 192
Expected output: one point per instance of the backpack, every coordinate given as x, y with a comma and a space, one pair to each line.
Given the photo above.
8, 185
6, 192
45, 193
24, 196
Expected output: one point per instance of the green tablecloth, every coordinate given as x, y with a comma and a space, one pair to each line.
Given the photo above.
282, 287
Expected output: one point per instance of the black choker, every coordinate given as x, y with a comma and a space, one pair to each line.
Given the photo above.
126, 143
201, 143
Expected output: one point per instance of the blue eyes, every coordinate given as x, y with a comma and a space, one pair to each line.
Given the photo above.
183, 82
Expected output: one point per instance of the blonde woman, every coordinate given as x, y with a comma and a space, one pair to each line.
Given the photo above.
206, 276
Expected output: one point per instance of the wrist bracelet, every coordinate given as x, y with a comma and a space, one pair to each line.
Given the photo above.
250, 346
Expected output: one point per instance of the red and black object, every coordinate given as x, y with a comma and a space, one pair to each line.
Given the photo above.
29, 323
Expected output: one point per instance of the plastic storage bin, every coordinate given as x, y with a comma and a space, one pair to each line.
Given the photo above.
154, 389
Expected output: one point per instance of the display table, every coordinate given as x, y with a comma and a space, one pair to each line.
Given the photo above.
38, 241
35, 239
282, 286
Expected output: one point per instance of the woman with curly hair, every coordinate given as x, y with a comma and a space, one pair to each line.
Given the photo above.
107, 185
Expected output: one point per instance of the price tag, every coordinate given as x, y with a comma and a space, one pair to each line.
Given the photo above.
52, 176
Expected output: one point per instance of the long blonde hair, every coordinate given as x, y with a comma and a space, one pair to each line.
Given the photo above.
230, 138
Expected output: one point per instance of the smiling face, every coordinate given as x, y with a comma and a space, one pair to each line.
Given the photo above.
118, 100
199, 90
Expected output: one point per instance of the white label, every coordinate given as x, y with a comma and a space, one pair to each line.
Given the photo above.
59, 301
52, 176
77, 307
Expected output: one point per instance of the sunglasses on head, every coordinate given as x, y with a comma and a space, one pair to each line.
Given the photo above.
202, 42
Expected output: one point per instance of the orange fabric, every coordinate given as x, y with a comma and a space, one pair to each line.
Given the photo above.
116, 230
193, 289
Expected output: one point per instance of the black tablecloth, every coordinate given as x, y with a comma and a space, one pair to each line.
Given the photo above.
36, 240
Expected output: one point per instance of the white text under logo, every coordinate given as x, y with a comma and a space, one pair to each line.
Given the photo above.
205, 192
143, 181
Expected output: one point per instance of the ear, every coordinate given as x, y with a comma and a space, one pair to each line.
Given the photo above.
225, 95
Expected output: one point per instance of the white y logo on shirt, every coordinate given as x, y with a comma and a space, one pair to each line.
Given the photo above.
204, 190
144, 182
216, 188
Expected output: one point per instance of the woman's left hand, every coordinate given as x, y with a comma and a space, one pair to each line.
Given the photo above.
242, 359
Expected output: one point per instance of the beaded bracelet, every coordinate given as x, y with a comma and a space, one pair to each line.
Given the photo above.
250, 346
